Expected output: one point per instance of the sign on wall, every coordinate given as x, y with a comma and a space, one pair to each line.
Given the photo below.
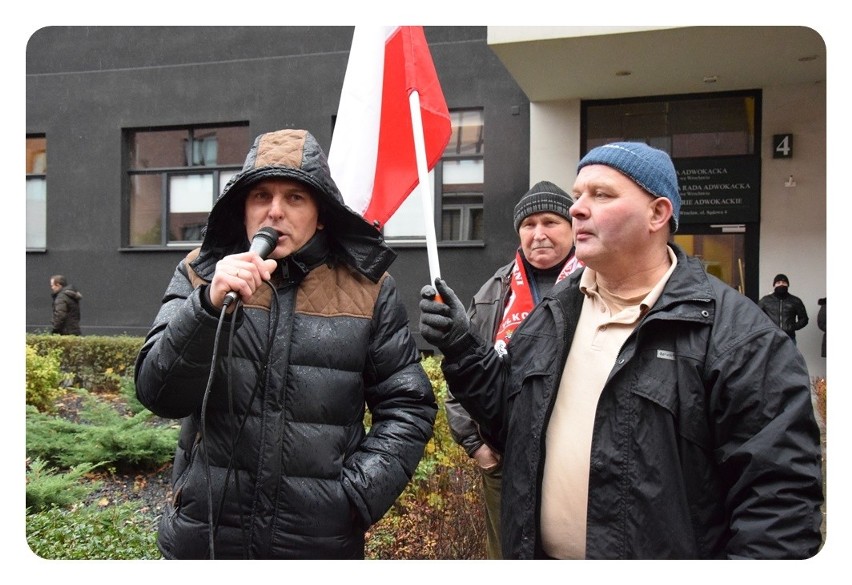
719, 190
782, 146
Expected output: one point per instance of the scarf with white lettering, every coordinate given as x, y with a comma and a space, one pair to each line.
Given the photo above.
521, 301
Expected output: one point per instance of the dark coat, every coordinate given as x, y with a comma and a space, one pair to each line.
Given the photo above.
281, 434
704, 443
66, 311
485, 312
787, 312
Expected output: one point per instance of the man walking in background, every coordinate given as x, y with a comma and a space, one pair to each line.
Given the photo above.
66, 306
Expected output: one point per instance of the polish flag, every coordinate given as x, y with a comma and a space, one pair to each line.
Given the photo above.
372, 154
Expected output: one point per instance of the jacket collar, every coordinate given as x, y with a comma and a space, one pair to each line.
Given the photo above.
297, 265
688, 294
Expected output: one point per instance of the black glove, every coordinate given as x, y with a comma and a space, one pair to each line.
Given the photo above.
442, 323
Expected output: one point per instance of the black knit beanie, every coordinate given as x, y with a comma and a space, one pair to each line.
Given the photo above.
543, 196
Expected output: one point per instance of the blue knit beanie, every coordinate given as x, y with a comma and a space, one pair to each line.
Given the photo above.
648, 167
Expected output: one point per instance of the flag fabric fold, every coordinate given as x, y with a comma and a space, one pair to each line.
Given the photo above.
372, 155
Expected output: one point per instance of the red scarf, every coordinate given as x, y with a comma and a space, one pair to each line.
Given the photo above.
520, 301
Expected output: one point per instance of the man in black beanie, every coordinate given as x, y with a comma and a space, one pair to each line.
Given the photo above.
545, 256
785, 310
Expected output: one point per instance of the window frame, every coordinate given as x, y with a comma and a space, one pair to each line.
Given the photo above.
447, 200
666, 141
444, 199
36, 177
466, 221
166, 173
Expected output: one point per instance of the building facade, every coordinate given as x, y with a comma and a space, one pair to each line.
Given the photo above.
114, 198
141, 127
742, 111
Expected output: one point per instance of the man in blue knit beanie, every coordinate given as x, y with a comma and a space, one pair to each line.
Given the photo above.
645, 409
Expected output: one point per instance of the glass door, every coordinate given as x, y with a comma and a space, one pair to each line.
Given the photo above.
722, 250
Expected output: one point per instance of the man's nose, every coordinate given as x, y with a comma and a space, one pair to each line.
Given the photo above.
276, 207
577, 208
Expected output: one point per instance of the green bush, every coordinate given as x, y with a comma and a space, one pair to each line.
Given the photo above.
43, 378
102, 434
440, 515
97, 363
46, 488
127, 390
116, 532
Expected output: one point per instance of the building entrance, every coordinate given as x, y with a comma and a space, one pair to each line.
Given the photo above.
723, 251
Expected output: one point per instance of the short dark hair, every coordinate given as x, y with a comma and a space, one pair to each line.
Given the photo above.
59, 279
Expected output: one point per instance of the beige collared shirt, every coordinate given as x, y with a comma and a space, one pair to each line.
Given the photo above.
600, 333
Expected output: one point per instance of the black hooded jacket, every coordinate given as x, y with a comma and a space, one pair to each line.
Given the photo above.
294, 472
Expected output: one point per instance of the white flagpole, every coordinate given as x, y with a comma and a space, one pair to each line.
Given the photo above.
426, 195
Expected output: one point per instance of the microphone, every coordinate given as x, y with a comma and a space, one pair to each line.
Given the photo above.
263, 242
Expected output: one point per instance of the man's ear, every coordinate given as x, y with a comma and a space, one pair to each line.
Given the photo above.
660, 213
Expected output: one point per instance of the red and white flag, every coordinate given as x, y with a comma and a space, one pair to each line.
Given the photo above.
372, 154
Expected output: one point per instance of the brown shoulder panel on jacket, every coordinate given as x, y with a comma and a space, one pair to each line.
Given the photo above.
192, 274
262, 298
338, 291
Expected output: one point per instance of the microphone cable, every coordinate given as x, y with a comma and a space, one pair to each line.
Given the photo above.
272, 327
213, 524
262, 243
203, 423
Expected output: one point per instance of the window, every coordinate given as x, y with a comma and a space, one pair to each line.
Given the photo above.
36, 192
461, 176
175, 176
716, 130
704, 125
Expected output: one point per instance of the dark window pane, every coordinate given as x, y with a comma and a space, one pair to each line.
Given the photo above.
688, 127
186, 227
152, 149
160, 149
450, 224
477, 224
36, 156
146, 210
234, 142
